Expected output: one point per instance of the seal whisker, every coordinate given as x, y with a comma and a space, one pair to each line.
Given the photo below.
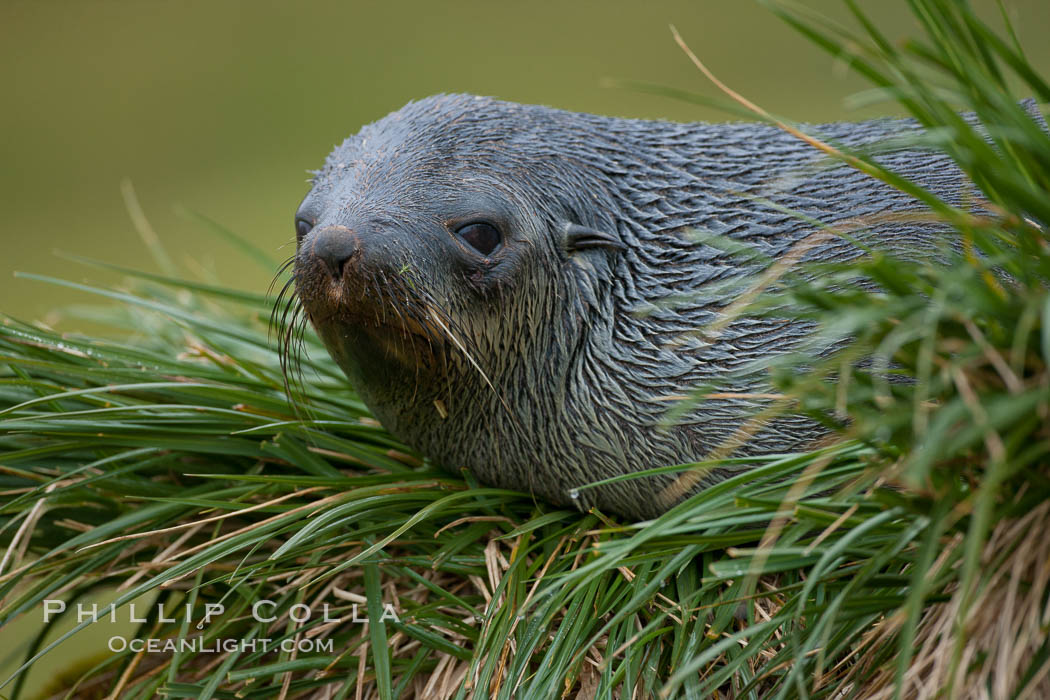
291, 357
289, 319
285, 305
285, 288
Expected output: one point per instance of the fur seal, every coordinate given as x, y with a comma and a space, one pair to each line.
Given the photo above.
516, 289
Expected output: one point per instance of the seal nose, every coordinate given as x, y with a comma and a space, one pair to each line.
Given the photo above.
334, 246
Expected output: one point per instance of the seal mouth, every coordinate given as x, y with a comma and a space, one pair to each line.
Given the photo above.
385, 312
381, 302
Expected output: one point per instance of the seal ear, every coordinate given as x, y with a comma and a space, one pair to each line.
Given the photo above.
582, 238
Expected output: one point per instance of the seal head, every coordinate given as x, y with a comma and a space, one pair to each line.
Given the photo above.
515, 289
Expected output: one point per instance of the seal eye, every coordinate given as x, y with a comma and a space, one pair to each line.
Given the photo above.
481, 236
302, 227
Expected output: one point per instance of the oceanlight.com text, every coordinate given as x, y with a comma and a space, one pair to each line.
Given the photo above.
200, 645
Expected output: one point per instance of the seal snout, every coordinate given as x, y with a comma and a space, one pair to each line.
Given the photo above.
334, 246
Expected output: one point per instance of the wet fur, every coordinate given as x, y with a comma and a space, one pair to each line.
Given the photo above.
553, 358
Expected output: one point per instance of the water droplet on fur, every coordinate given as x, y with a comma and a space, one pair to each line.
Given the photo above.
574, 494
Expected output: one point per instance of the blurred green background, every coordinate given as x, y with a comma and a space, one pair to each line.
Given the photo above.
221, 107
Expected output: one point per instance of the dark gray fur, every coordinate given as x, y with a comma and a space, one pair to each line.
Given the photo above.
574, 333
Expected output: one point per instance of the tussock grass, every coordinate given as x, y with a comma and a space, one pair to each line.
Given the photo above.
908, 558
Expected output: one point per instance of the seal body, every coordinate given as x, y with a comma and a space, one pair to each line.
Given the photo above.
520, 290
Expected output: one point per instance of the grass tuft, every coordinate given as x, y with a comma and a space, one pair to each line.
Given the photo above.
908, 558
